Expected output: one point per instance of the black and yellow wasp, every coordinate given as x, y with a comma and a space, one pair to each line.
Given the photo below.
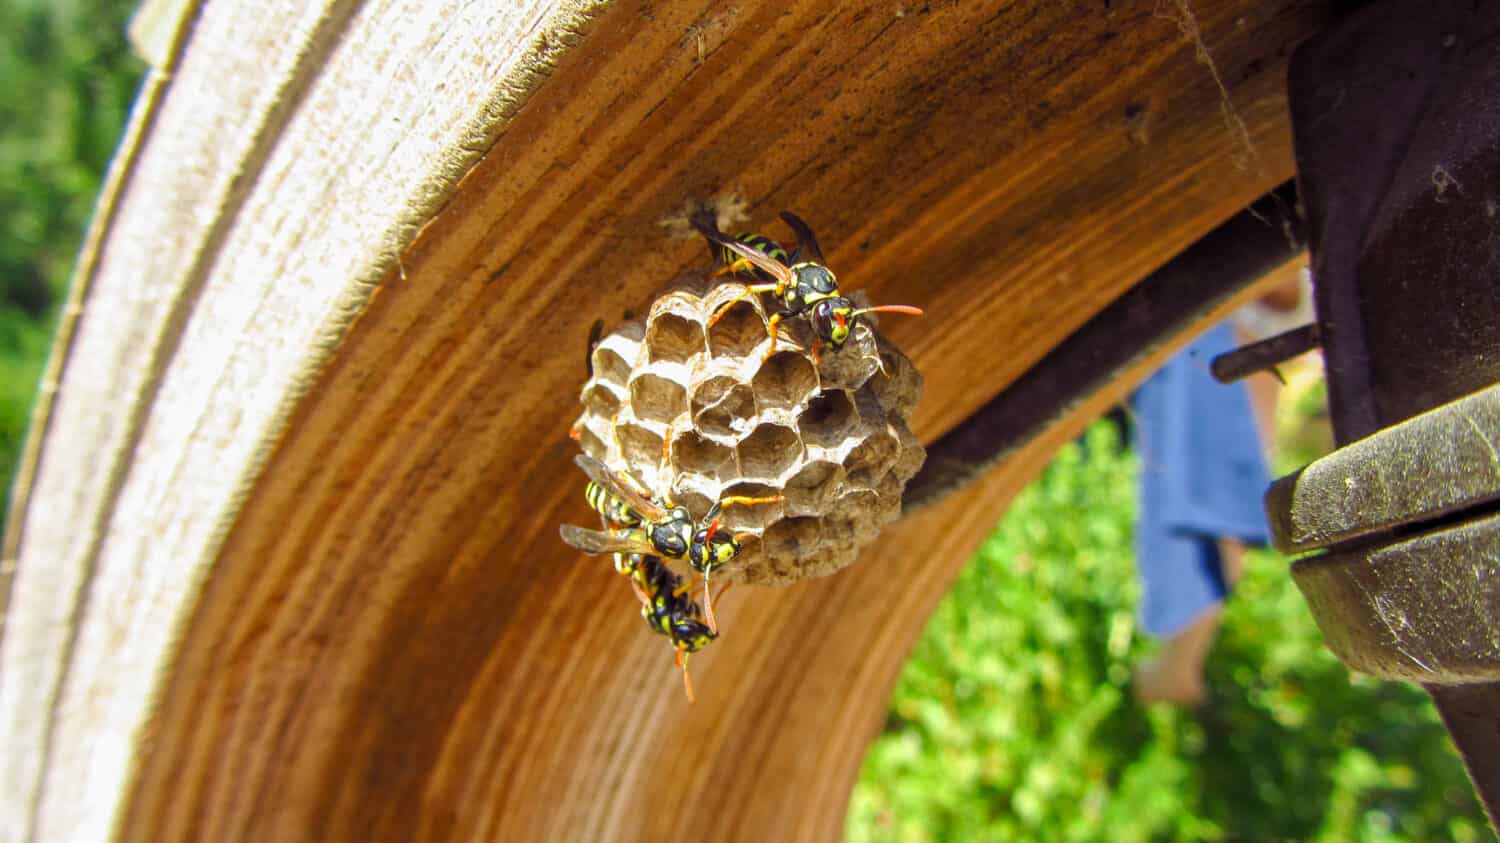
670, 612
799, 281
641, 526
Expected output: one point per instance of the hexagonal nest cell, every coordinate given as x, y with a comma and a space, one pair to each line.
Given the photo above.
832, 437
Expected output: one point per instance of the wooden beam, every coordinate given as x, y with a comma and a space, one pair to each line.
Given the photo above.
287, 566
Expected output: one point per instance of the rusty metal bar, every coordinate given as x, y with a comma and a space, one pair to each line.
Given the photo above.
1264, 355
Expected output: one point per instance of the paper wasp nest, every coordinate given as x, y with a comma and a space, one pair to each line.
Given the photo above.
833, 440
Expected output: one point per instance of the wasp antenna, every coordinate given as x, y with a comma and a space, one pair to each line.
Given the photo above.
708, 602
891, 308
687, 680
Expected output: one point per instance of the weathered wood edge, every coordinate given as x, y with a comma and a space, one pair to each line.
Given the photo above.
486, 123
26, 769
153, 87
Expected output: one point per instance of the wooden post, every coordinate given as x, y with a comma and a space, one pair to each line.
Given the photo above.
285, 558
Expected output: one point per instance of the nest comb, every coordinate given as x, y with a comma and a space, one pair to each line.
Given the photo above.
833, 439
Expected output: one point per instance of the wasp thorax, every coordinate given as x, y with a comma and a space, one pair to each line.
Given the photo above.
672, 538
827, 438
811, 279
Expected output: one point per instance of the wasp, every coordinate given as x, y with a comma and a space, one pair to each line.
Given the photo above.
641, 526
800, 282
669, 611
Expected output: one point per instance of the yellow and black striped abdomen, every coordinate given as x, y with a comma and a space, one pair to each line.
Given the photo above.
765, 245
609, 505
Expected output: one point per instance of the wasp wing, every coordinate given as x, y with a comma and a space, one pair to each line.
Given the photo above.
775, 268
807, 244
597, 541
638, 503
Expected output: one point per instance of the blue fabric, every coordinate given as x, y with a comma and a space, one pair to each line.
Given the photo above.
1202, 478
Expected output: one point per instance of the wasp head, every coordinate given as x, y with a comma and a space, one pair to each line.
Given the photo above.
833, 318
833, 321
713, 548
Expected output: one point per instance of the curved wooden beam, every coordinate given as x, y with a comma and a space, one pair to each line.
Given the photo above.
287, 566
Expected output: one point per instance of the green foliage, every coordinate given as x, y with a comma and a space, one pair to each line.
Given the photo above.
69, 80
1014, 718
23, 351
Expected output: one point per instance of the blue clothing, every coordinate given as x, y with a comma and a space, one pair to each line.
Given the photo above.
1202, 478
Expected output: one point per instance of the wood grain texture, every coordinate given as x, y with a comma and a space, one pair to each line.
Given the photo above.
289, 568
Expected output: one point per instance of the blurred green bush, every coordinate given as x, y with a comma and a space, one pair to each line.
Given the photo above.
1014, 718
69, 81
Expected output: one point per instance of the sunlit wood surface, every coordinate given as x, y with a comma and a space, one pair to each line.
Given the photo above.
286, 562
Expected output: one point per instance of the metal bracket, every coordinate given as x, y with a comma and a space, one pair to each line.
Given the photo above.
1426, 609
1396, 124
1265, 355
1442, 462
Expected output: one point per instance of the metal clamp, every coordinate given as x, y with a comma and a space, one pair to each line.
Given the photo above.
1411, 587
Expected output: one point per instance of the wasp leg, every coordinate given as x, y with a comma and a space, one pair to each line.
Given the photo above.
744, 501
663, 468
684, 588
639, 488
771, 330
614, 432
817, 352
743, 294
735, 266
723, 308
